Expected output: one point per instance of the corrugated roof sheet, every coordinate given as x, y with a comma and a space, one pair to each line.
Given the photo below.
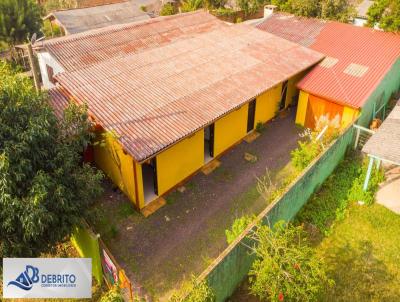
300, 30
84, 19
91, 47
385, 143
58, 100
375, 50
154, 98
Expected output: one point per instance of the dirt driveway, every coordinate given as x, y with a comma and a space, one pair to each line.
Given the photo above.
183, 237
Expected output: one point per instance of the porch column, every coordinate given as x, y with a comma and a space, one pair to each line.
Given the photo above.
368, 176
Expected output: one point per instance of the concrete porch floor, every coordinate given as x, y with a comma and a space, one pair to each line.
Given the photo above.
184, 236
388, 194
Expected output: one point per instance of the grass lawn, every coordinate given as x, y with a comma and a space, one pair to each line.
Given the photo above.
360, 243
363, 255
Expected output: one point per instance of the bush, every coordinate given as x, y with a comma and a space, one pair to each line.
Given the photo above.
357, 193
167, 10
238, 226
286, 267
193, 291
304, 154
113, 295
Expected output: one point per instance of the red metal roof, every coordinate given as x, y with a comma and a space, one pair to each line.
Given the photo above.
154, 98
91, 47
374, 51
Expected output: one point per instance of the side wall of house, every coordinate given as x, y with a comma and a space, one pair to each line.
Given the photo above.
180, 161
44, 59
389, 85
230, 129
267, 104
120, 167
302, 108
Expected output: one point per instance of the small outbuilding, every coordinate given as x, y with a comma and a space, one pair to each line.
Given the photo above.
358, 77
384, 144
78, 20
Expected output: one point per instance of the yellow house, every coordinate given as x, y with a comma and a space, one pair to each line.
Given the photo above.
184, 96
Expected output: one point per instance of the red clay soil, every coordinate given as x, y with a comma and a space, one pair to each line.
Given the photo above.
184, 236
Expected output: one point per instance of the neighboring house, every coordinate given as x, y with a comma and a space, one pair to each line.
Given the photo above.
173, 92
362, 8
84, 3
74, 21
359, 74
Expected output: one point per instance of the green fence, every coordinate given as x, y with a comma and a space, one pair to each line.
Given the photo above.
87, 245
232, 266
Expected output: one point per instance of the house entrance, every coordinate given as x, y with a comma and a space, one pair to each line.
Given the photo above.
208, 143
150, 186
282, 103
251, 115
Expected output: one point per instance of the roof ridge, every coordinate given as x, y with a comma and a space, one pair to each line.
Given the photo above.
114, 28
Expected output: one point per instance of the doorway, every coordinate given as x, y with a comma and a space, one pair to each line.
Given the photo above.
149, 176
208, 143
282, 103
251, 115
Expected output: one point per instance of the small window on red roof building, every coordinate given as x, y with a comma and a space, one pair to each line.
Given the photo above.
50, 74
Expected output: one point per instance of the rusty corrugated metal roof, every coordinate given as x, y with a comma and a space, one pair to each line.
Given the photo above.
154, 98
300, 30
91, 47
374, 51
58, 100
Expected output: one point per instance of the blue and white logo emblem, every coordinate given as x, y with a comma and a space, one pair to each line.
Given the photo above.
47, 278
26, 279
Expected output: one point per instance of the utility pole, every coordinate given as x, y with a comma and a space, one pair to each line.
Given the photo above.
33, 67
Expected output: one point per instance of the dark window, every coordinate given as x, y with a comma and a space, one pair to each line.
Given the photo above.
50, 74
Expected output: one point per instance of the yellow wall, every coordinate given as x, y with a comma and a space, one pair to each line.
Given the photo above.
117, 165
180, 161
267, 104
302, 108
230, 129
349, 114
292, 90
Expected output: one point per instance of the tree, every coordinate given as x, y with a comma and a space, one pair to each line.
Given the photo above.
286, 267
45, 190
340, 10
191, 5
306, 8
18, 20
386, 13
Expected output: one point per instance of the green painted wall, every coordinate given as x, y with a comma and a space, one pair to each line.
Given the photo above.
232, 267
389, 85
87, 245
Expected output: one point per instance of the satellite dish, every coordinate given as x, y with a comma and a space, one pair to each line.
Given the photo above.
33, 39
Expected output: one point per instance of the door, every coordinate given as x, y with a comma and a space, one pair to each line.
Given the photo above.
282, 103
251, 115
208, 143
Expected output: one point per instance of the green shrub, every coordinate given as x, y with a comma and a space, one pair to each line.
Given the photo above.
113, 295
143, 8
224, 12
238, 226
286, 267
305, 153
193, 291
357, 193
260, 126
167, 10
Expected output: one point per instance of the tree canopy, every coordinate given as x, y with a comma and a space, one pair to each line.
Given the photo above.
341, 10
386, 13
18, 20
45, 189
